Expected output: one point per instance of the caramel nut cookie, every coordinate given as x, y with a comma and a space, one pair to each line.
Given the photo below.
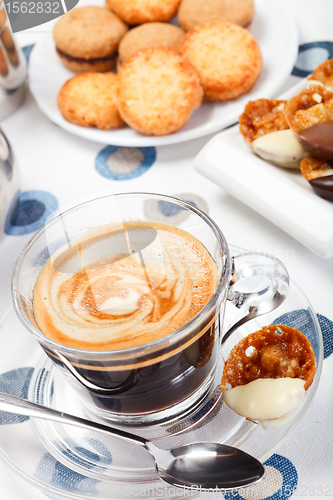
275, 351
87, 38
143, 11
324, 73
194, 12
149, 35
319, 174
226, 56
311, 106
89, 100
158, 89
262, 117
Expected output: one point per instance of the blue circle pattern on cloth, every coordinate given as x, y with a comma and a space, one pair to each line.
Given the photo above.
68, 480
15, 382
121, 163
64, 478
33, 208
326, 327
310, 55
289, 476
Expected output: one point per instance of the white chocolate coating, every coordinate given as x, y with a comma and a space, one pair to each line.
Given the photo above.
280, 147
266, 399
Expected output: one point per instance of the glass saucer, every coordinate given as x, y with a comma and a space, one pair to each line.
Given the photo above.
71, 463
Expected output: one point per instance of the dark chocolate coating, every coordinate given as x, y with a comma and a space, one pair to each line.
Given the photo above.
318, 140
323, 186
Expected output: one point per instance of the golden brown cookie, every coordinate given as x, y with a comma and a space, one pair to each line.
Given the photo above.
309, 107
157, 90
324, 73
275, 351
87, 38
262, 117
194, 12
226, 56
149, 35
319, 174
143, 11
89, 100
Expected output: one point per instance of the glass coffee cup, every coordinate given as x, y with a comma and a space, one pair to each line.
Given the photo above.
170, 376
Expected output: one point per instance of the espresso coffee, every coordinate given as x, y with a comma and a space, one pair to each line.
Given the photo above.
123, 286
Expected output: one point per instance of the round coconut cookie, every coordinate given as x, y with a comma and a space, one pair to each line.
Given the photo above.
143, 11
226, 56
149, 35
194, 12
157, 91
89, 100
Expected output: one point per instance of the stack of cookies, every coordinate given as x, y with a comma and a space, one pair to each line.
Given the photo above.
136, 68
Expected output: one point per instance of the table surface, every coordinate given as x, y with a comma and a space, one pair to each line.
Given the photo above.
57, 168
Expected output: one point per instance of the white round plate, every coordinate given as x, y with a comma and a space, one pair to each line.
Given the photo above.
274, 29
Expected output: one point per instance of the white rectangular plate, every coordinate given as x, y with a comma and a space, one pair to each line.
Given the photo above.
280, 194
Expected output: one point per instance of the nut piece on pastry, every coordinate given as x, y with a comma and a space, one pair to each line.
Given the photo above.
262, 117
149, 35
275, 361
311, 106
87, 38
158, 89
319, 174
89, 100
194, 12
280, 147
226, 56
324, 73
143, 11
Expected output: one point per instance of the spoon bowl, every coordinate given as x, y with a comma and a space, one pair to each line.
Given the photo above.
207, 465
197, 465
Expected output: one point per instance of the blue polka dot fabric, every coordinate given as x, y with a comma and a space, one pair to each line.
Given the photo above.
310, 55
57, 474
122, 164
15, 382
32, 210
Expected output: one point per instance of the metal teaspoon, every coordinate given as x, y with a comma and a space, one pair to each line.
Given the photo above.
204, 465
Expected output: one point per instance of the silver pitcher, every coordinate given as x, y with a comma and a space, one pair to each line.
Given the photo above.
13, 68
9, 184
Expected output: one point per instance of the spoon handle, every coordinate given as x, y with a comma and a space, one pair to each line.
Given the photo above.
13, 404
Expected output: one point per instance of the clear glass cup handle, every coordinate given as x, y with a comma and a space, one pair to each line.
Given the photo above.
267, 275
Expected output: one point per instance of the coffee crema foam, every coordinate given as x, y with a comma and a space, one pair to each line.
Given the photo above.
123, 287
